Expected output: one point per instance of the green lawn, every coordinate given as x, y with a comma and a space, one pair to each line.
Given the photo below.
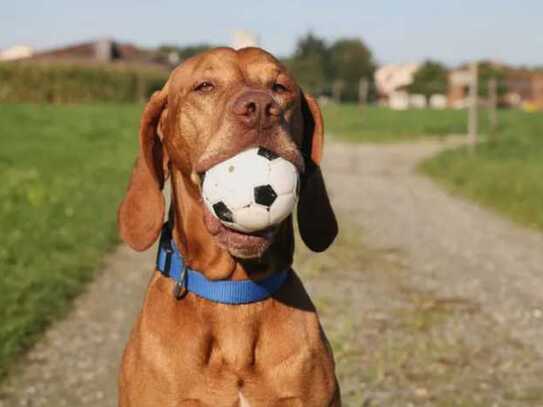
373, 124
506, 174
63, 172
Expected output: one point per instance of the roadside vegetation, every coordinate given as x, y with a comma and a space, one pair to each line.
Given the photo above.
504, 173
23, 82
351, 122
63, 171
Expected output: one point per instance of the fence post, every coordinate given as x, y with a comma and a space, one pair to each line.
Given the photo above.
493, 102
363, 90
473, 105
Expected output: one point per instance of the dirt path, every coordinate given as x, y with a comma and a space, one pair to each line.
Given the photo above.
428, 300
452, 314
452, 246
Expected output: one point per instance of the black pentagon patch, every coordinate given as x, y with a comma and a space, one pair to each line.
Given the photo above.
264, 152
265, 195
222, 212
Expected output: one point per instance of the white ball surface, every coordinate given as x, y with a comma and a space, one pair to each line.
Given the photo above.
251, 191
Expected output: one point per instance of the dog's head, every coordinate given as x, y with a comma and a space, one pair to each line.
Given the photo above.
214, 106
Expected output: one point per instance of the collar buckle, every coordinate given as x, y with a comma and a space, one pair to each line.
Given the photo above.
180, 288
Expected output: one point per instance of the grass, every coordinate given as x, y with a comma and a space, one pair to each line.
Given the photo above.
63, 172
504, 174
374, 124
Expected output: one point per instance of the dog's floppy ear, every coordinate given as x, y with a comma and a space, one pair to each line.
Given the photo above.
316, 219
141, 213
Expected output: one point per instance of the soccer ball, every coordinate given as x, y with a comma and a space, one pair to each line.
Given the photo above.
252, 190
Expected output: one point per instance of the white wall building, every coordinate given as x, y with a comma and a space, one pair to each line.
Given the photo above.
243, 39
392, 82
16, 52
393, 77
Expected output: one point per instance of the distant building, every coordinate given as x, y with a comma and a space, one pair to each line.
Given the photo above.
398, 100
521, 88
392, 82
458, 89
16, 52
243, 39
418, 101
524, 89
438, 101
104, 50
91, 52
392, 78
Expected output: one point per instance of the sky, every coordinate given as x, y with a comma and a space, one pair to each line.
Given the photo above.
397, 31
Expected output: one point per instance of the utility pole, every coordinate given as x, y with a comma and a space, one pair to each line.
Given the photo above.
363, 90
493, 102
473, 105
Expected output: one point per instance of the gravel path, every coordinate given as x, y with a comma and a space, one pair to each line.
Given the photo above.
452, 246
77, 361
418, 280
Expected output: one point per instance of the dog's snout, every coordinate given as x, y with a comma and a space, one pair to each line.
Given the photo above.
256, 108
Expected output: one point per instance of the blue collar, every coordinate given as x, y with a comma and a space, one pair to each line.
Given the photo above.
170, 263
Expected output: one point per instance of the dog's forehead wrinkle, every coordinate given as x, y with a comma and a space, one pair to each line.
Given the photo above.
218, 57
263, 73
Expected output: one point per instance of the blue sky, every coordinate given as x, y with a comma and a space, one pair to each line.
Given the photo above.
452, 31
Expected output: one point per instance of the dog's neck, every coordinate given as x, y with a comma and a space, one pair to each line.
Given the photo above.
200, 250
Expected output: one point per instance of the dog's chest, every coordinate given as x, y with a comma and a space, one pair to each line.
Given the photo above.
238, 356
235, 348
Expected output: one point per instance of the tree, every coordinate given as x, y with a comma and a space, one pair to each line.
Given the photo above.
488, 71
310, 64
309, 73
430, 78
310, 45
351, 60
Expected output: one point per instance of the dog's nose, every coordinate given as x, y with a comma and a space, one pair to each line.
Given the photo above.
257, 108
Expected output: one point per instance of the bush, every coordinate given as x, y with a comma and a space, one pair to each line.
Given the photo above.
69, 83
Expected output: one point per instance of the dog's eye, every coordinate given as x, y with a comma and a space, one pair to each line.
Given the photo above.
279, 88
205, 86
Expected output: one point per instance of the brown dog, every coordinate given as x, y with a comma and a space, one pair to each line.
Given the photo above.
192, 351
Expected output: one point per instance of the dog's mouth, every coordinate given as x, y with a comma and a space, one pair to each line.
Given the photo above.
239, 244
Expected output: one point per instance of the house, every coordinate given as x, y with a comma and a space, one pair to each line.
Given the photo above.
524, 89
91, 52
391, 81
243, 39
458, 89
518, 88
16, 52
